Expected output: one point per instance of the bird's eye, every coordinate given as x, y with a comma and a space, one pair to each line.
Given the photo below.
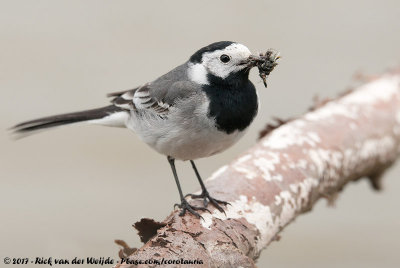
225, 58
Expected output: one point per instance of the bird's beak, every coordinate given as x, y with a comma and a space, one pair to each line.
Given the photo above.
254, 60
250, 62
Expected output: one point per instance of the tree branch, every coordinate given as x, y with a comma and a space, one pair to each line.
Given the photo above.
356, 135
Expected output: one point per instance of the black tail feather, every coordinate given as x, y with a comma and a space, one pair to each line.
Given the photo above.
64, 119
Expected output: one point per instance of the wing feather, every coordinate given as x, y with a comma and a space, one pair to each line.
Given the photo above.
139, 99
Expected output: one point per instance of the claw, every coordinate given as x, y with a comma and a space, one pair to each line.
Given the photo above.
208, 199
216, 203
185, 206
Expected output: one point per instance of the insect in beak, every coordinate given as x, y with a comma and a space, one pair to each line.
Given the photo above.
265, 63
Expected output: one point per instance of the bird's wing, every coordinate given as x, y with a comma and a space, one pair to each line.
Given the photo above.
139, 99
152, 96
160, 95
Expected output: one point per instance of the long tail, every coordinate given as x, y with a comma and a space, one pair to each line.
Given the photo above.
109, 115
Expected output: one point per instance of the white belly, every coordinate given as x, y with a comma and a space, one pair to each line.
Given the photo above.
183, 135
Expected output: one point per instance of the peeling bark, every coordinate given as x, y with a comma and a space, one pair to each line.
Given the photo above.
356, 135
147, 228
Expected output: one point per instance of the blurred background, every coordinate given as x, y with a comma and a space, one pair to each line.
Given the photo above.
72, 191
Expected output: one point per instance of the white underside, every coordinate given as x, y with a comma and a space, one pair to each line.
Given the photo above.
183, 135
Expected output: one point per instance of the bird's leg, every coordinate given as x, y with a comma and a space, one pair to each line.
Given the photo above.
204, 193
184, 205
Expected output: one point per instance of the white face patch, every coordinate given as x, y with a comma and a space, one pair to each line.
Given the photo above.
213, 64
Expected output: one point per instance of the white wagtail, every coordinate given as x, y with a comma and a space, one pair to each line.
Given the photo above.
198, 109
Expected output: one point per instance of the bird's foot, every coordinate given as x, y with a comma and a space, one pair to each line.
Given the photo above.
185, 206
208, 199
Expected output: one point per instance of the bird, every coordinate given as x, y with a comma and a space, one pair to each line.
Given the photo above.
196, 110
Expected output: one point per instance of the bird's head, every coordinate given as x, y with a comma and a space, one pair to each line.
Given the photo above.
220, 60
